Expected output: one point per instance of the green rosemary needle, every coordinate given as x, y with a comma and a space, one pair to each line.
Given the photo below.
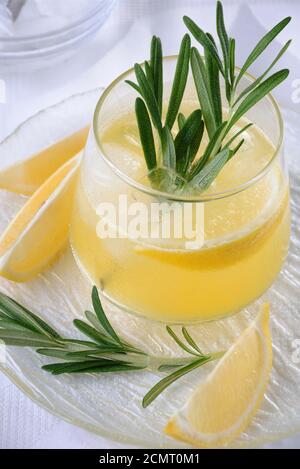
104, 351
180, 151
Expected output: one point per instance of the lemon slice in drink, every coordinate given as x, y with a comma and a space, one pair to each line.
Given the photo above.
224, 404
40, 229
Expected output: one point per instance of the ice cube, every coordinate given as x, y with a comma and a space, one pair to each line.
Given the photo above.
166, 180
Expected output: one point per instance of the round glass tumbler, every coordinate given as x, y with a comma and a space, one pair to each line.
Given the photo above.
239, 228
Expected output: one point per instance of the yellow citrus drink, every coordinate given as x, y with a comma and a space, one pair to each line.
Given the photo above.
246, 230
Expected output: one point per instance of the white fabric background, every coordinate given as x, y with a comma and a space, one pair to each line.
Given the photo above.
123, 40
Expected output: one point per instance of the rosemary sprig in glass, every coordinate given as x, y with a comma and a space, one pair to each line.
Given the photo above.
177, 154
103, 350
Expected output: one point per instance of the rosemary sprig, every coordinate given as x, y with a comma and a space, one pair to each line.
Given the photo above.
179, 151
213, 74
104, 351
187, 140
168, 380
156, 68
174, 152
256, 95
259, 80
204, 87
261, 46
180, 79
146, 134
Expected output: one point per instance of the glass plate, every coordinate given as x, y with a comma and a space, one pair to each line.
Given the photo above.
110, 405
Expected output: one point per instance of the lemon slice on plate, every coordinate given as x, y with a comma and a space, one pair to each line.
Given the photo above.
44, 142
224, 404
26, 176
40, 229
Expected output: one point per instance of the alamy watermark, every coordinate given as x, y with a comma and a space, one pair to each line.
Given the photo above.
296, 351
2, 91
2, 353
296, 91
153, 220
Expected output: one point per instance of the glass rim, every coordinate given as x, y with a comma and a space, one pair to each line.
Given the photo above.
185, 197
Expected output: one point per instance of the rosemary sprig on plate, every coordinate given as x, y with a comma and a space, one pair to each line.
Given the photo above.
102, 351
174, 159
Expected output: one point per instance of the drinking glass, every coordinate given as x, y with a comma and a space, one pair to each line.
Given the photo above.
240, 242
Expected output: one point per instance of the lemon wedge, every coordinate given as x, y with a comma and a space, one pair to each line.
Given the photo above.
224, 404
26, 176
40, 229
45, 141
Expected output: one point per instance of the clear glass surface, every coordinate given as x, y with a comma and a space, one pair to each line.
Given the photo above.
110, 406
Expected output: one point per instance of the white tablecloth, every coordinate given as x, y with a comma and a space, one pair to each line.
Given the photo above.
122, 41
